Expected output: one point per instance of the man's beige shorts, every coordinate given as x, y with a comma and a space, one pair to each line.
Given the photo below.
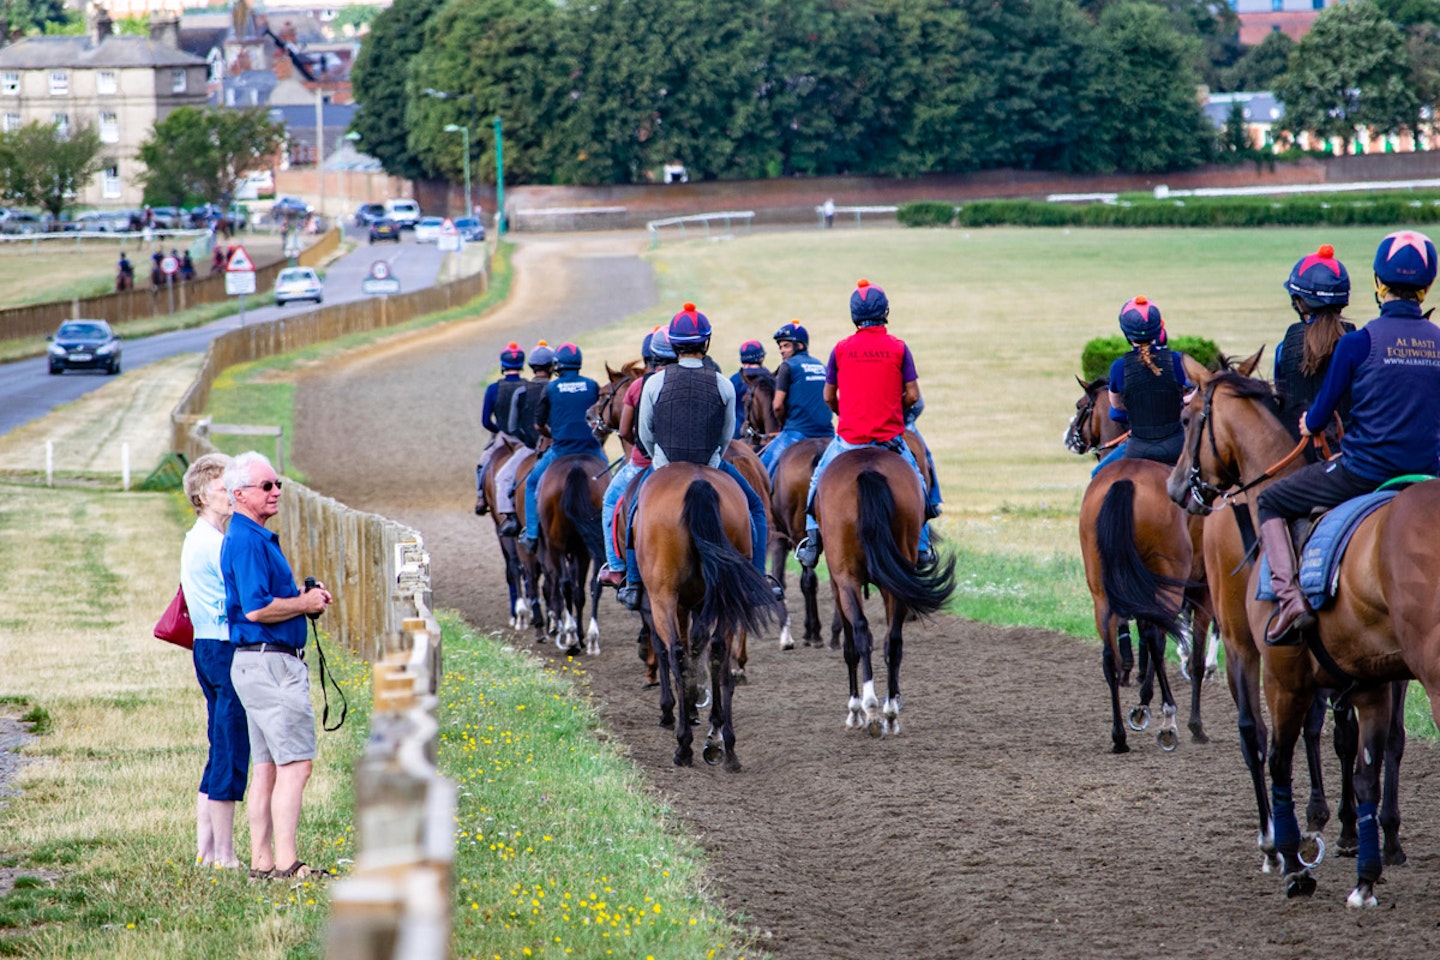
275, 691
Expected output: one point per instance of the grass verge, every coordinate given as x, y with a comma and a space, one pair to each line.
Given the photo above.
561, 849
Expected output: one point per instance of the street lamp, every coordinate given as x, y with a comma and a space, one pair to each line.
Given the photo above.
464, 132
353, 137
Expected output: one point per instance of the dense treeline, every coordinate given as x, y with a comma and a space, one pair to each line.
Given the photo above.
610, 90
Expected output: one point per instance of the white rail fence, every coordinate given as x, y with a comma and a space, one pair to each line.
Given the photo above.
728, 217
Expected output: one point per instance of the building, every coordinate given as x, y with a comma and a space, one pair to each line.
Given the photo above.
1264, 116
1261, 17
121, 85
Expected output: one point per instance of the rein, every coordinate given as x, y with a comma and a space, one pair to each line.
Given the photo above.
598, 425
1205, 493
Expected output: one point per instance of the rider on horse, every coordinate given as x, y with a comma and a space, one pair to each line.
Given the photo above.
752, 357
687, 414
1147, 388
1391, 370
561, 413
799, 395
498, 398
613, 573
869, 382
520, 423
1319, 288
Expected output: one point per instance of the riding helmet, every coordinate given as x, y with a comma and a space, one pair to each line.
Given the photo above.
794, 333
645, 347
512, 357
542, 356
752, 351
660, 348
1320, 280
568, 357
1406, 257
689, 327
1140, 321
868, 304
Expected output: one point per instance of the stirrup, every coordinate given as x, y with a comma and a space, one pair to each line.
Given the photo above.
807, 551
1294, 634
629, 596
776, 588
510, 526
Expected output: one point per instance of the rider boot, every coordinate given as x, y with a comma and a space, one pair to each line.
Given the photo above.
629, 595
481, 507
808, 550
611, 577
1292, 614
509, 525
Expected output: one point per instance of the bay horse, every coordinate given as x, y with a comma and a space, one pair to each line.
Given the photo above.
1381, 629
870, 508
569, 498
692, 541
604, 414
787, 508
527, 612
509, 549
761, 424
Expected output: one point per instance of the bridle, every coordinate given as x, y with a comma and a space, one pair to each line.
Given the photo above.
1076, 441
595, 415
1205, 493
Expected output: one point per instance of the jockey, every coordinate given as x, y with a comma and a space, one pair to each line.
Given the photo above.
520, 423
613, 573
1148, 386
752, 357
561, 414
800, 403
1319, 288
869, 382
498, 397
687, 414
1391, 369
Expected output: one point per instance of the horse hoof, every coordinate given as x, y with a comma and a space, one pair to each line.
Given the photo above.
1120, 746
1396, 858
712, 753
1362, 896
732, 764
739, 677
1313, 842
649, 684
684, 758
875, 727
1198, 734
1348, 845
1125, 678
1299, 884
668, 723
1139, 718
1168, 740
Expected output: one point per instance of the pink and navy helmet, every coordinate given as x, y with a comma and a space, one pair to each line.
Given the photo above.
568, 357
512, 357
795, 334
1140, 321
868, 304
752, 351
1406, 257
1320, 280
689, 327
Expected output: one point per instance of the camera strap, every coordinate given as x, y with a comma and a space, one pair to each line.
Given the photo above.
327, 677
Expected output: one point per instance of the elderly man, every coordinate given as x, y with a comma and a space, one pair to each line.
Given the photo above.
267, 612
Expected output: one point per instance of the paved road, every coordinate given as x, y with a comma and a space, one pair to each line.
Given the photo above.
28, 392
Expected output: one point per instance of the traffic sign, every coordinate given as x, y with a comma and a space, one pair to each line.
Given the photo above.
169, 265
371, 286
239, 261
380, 270
449, 239
239, 282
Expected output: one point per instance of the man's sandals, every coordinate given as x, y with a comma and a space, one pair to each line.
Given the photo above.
299, 870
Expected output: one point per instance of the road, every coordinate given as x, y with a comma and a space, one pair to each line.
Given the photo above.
28, 391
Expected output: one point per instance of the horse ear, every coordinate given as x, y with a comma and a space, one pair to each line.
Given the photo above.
1083, 385
614, 374
1248, 366
1195, 371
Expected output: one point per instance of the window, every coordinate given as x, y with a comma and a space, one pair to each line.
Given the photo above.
109, 127
105, 82
110, 182
62, 123
59, 84
1277, 5
10, 84
177, 81
1317, 4
12, 122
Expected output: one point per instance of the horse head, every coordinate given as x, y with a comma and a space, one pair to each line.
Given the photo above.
1091, 426
604, 414
760, 419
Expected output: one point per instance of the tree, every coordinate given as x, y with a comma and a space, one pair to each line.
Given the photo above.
1350, 71
44, 167
29, 16
201, 153
1235, 136
380, 77
1260, 65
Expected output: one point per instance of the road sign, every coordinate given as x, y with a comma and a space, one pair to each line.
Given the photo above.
372, 286
449, 239
169, 265
380, 270
239, 261
240, 282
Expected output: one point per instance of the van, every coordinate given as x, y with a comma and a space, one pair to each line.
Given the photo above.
404, 212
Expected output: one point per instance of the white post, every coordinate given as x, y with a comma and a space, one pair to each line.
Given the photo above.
125, 466
49, 463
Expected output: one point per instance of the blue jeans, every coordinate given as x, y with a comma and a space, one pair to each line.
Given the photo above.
532, 487
932, 492
613, 494
759, 529
1117, 454
228, 763
784, 440
839, 446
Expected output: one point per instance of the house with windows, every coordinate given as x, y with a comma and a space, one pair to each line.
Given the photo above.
1261, 17
121, 85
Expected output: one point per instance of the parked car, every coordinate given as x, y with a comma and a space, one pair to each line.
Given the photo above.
168, 218
103, 221
84, 345
369, 213
290, 207
428, 229
471, 229
298, 283
384, 229
18, 221
404, 212
61, 224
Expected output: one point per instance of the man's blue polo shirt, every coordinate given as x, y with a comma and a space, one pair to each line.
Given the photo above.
255, 573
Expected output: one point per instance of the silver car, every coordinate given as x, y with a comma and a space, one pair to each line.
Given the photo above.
298, 283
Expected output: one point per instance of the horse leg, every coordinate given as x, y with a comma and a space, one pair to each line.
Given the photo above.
1199, 640
1139, 716
1245, 689
1127, 653
722, 729
1112, 672
1373, 709
1287, 710
1347, 744
810, 592
778, 556
854, 715
1168, 736
894, 652
684, 735
646, 651
1390, 793
592, 632
739, 656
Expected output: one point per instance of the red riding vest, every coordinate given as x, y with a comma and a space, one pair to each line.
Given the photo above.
868, 367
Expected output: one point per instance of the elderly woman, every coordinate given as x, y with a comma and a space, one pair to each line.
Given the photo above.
223, 781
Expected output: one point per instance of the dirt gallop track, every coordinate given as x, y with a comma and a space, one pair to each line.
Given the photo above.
996, 825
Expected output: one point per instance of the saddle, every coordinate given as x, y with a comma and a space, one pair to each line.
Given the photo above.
1324, 547
625, 510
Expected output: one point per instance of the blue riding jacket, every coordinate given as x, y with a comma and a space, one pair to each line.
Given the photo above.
806, 411
563, 406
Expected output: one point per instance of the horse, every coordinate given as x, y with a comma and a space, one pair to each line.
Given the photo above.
1091, 430
1381, 629
569, 498
509, 549
701, 592
787, 507
527, 613
761, 424
604, 414
870, 508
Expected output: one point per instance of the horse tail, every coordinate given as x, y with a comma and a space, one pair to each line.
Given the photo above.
1131, 588
736, 595
575, 501
923, 591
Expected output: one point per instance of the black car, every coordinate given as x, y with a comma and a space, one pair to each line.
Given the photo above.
369, 213
384, 229
84, 345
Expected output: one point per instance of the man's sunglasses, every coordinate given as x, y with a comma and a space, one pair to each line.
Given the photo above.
267, 486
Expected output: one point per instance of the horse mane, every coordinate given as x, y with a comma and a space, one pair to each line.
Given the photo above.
1246, 388
764, 375
632, 369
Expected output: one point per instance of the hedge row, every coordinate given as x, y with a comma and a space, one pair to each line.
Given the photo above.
1099, 353
1204, 212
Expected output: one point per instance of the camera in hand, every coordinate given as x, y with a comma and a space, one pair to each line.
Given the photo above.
310, 585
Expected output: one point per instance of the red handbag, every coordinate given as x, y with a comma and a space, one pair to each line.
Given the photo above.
175, 626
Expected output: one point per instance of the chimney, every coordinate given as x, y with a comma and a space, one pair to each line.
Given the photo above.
99, 26
165, 30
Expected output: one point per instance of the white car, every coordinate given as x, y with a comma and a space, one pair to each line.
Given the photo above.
427, 230
298, 283
403, 211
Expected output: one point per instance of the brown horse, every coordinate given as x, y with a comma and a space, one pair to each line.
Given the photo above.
509, 549
1091, 430
701, 592
604, 414
1382, 627
870, 508
569, 498
527, 609
787, 506
761, 423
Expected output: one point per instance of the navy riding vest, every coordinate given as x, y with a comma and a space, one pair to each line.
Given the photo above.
806, 411
522, 416
571, 397
1296, 390
1152, 401
1395, 398
689, 414
505, 390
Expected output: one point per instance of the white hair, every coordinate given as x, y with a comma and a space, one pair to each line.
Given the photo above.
238, 475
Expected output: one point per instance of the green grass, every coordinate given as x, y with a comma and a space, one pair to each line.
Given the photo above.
561, 848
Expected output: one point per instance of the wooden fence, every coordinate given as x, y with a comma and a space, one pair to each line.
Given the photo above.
39, 319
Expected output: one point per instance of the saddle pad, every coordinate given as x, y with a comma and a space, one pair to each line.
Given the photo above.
1320, 560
